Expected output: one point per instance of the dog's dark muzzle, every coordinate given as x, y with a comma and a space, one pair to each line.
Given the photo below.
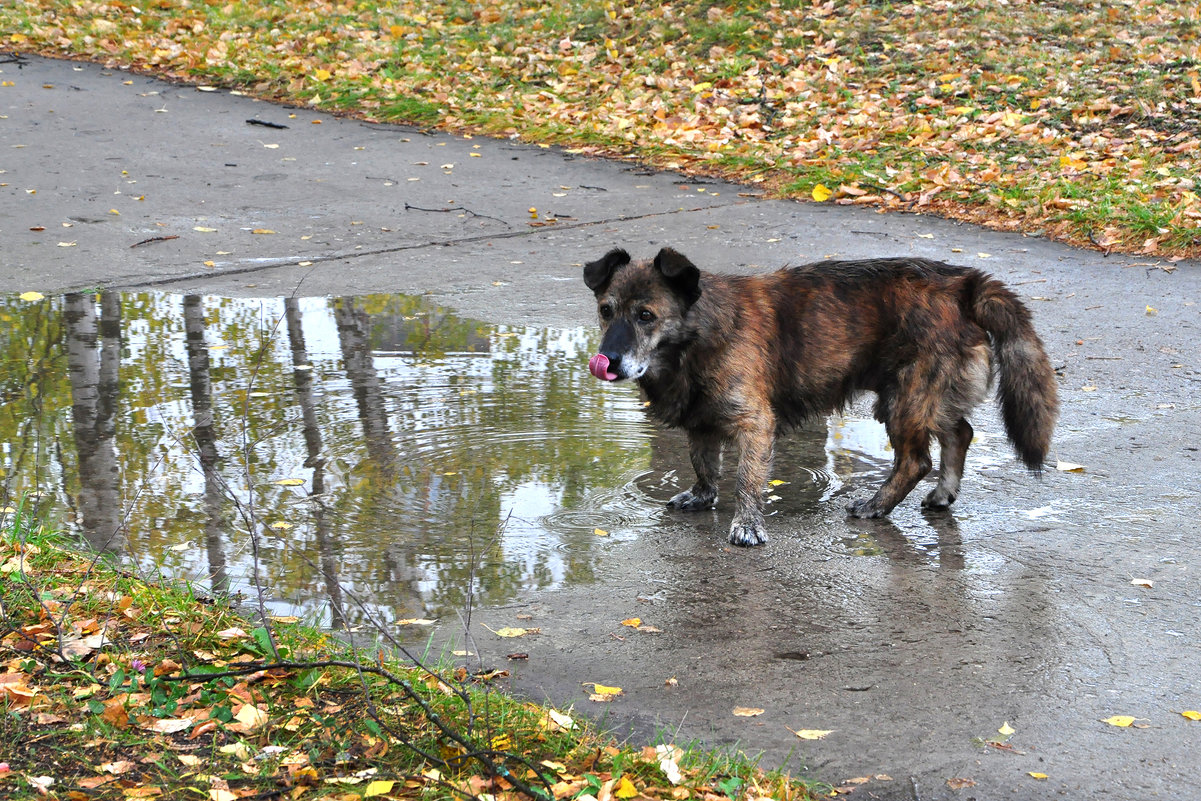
618, 339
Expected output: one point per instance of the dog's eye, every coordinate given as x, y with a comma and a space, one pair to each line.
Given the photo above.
646, 315
606, 311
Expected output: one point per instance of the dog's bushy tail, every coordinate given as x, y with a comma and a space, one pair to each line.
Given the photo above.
1026, 387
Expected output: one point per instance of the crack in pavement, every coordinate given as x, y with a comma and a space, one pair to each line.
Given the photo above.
271, 263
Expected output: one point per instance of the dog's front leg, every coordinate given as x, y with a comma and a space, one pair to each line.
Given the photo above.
754, 462
705, 452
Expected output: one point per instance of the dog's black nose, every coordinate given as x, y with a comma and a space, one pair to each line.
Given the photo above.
614, 360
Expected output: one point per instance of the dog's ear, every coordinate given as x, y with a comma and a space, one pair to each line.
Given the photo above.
597, 274
683, 275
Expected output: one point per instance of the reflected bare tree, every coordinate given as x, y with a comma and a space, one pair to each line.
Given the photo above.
302, 378
201, 384
92, 365
354, 328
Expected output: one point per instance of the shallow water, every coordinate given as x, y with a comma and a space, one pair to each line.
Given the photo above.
391, 458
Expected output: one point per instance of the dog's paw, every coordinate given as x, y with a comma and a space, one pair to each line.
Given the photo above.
691, 501
865, 510
747, 533
938, 499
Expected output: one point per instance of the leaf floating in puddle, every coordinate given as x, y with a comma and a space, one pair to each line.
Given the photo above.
416, 621
1068, 467
290, 482
600, 532
31, 297
281, 525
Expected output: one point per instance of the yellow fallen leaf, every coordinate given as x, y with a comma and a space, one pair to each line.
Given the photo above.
1191, 714
511, 631
31, 297
1119, 720
1006, 729
625, 788
416, 621
1152, 311
747, 711
600, 532
776, 482
324, 75
290, 482
281, 525
603, 689
204, 229
812, 734
1139, 582
262, 231
379, 786
821, 193
251, 717
632, 622
1036, 775
1069, 467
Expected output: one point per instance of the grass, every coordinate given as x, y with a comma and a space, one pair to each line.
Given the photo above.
117, 687
1026, 99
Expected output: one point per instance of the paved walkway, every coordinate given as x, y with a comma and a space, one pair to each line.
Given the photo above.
1023, 614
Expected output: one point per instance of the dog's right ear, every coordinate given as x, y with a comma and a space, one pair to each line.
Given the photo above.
597, 274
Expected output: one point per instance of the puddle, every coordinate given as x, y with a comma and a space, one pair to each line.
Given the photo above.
393, 458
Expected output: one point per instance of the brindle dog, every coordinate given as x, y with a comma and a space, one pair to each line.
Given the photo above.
743, 358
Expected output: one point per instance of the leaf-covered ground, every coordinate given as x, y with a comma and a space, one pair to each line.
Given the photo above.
1078, 120
114, 687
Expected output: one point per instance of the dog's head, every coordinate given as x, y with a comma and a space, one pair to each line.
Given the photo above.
642, 306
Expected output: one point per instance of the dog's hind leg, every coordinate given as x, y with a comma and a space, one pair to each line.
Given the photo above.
910, 465
954, 444
705, 452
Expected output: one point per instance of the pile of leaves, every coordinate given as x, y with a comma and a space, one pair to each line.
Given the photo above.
113, 687
1074, 120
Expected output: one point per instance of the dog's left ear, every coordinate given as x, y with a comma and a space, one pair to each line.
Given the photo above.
683, 275
597, 274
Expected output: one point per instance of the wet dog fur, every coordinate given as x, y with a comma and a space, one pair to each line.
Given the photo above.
741, 359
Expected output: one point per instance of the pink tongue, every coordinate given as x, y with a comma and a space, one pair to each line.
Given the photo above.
598, 365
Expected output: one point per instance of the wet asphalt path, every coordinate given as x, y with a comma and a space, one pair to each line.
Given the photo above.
1045, 604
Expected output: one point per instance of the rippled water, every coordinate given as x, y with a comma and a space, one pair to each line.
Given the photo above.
389, 457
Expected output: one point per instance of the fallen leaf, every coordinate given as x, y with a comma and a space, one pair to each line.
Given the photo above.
632, 622
821, 193
262, 231
1036, 775
1120, 720
747, 711
812, 734
625, 788
600, 532
1140, 582
1068, 467
1006, 730
31, 297
290, 482
960, 783
204, 230
1191, 714
378, 787
416, 621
